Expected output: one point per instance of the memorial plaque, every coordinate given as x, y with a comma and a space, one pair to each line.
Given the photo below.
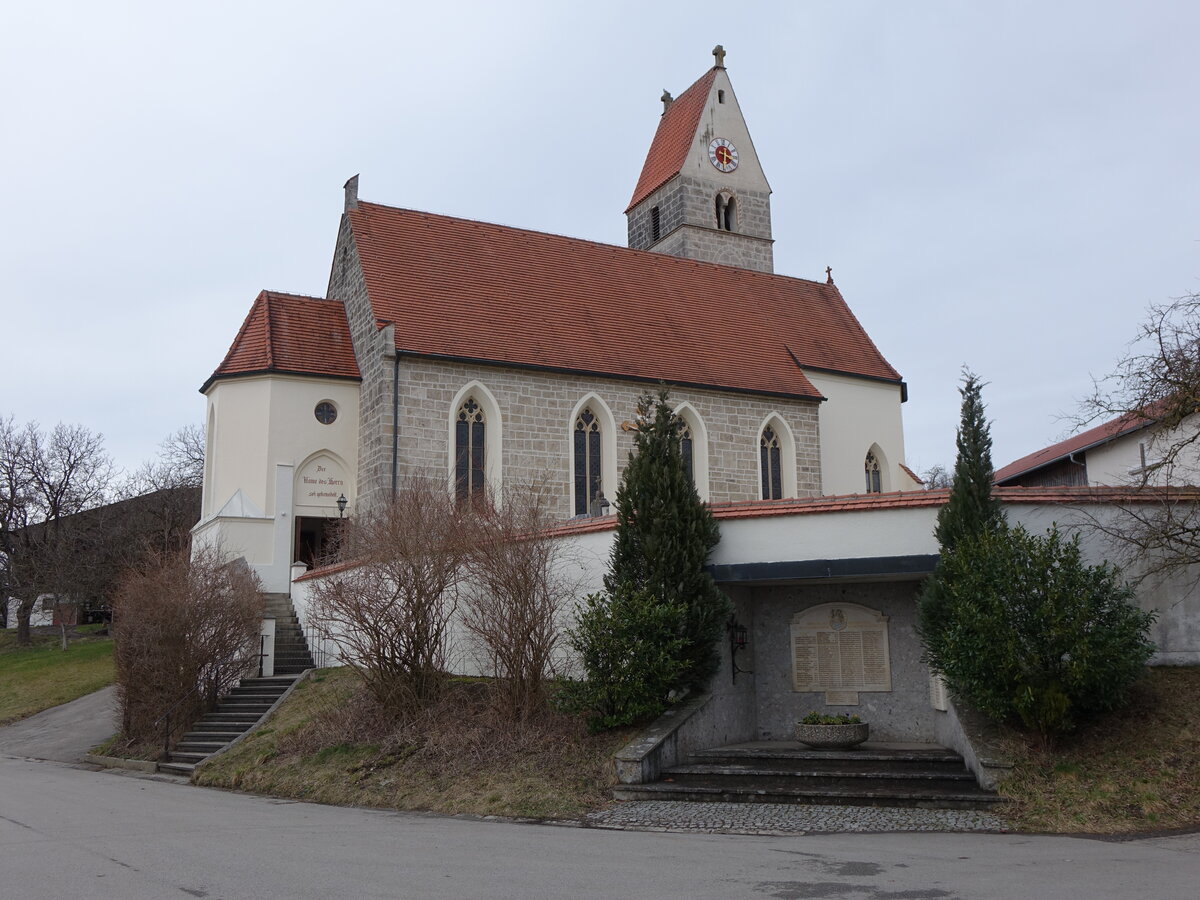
840, 648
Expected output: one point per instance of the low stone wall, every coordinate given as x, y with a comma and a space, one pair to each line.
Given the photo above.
974, 738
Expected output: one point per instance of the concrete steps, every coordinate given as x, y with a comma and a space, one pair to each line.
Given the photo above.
235, 714
929, 777
292, 655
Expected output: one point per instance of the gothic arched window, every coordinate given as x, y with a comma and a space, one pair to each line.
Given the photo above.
469, 442
726, 209
587, 461
687, 448
772, 464
874, 477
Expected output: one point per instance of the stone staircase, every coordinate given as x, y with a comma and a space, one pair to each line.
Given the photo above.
903, 775
235, 714
291, 649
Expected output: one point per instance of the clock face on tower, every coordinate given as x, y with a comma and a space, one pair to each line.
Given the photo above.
723, 155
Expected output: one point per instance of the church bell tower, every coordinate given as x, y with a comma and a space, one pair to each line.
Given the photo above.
702, 193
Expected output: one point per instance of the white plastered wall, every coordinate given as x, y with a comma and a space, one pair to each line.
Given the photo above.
1119, 461
725, 120
265, 441
857, 414
897, 531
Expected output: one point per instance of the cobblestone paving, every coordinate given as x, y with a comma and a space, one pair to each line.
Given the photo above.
780, 818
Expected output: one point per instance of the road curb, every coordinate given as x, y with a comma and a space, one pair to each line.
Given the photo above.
115, 762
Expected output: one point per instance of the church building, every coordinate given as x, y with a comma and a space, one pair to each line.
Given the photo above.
496, 356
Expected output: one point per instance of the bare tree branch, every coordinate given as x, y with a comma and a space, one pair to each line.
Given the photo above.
1157, 384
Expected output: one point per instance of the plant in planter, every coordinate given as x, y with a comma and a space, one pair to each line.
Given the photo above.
824, 732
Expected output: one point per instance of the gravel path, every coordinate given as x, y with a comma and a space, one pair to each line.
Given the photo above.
781, 819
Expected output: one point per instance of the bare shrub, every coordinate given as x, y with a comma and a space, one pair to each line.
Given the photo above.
390, 614
186, 629
464, 732
461, 732
516, 595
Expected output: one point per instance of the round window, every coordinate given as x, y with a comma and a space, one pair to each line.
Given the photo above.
325, 412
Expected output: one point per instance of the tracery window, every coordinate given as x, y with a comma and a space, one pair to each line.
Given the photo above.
587, 461
771, 453
874, 477
469, 442
687, 450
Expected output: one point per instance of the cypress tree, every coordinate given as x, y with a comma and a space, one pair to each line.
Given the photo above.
970, 512
664, 536
971, 508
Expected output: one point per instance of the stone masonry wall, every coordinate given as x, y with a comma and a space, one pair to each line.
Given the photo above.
687, 218
374, 349
671, 209
904, 714
536, 408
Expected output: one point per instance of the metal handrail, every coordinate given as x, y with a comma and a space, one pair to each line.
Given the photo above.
173, 707
167, 717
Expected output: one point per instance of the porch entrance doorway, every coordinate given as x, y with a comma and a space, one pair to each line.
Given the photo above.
315, 540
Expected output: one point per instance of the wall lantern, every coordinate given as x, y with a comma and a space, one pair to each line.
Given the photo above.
341, 502
737, 641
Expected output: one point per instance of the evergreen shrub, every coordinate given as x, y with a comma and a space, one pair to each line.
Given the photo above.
656, 627
630, 645
1022, 629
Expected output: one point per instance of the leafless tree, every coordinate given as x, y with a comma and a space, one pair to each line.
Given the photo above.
937, 476
47, 479
515, 597
390, 612
1157, 383
183, 452
186, 630
168, 488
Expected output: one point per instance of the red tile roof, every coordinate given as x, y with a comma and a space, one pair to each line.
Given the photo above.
1085, 440
673, 139
461, 289
291, 334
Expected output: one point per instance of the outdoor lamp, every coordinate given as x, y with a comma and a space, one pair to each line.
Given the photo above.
737, 634
737, 641
341, 502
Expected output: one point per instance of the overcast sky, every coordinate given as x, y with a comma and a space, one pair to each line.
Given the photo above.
1002, 185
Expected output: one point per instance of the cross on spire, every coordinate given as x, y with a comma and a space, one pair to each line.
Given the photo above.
719, 55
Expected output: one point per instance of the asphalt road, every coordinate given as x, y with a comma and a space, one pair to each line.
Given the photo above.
64, 733
70, 832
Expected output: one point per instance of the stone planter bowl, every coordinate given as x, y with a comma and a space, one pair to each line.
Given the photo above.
832, 737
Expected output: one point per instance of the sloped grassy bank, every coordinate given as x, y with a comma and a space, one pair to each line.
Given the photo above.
1135, 770
326, 745
43, 675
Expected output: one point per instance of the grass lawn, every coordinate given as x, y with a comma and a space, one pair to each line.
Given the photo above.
39, 677
1135, 770
545, 775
